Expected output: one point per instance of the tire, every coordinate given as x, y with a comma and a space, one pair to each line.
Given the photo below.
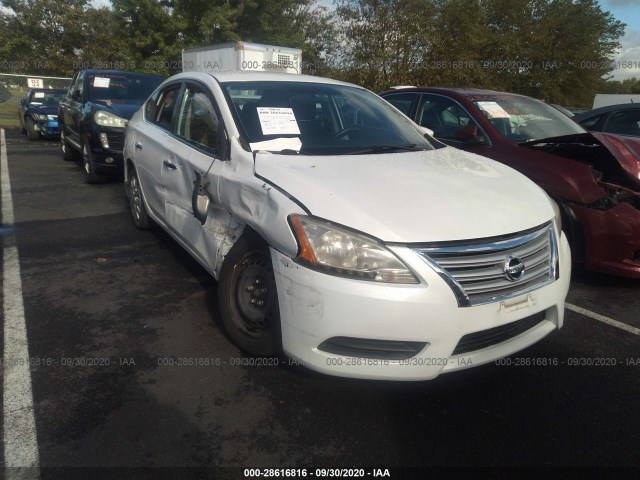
248, 299
68, 154
31, 130
136, 202
87, 164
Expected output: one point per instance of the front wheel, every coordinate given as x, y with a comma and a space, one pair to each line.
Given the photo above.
248, 299
31, 130
87, 164
67, 152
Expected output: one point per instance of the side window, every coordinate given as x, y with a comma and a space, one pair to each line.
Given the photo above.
78, 85
402, 101
443, 115
198, 121
591, 123
626, 122
164, 108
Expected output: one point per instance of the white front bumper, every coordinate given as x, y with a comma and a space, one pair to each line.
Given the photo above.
315, 307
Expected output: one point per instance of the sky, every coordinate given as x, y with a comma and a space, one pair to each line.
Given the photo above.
628, 59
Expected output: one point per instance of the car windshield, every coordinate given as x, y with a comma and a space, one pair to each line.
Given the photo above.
46, 98
323, 119
523, 119
112, 88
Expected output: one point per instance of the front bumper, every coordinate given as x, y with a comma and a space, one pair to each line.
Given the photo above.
316, 308
47, 129
107, 149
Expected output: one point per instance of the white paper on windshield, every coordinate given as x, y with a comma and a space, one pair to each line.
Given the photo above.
101, 82
38, 95
493, 110
278, 121
278, 144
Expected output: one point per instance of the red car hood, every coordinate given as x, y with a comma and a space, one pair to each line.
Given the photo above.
626, 150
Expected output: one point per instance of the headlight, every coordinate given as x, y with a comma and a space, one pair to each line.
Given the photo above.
39, 117
107, 119
338, 251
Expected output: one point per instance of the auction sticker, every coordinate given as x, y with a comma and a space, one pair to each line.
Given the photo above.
493, 110
278, 121
101, 82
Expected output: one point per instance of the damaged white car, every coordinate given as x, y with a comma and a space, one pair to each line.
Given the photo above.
339, 233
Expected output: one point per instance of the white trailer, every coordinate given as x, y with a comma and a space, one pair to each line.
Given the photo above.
242, 56
605, 99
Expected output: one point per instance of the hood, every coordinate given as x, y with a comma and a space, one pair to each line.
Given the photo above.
44, 109
123, 110
437, 195
626, 150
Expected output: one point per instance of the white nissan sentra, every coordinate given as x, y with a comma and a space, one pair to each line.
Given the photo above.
339, 232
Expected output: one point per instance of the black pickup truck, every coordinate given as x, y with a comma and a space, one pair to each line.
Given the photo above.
93, 115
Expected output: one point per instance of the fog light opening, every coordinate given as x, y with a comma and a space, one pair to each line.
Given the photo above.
104, 141
109, 160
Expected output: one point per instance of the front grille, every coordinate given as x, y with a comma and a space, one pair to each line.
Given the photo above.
370, 348
477, 272
486, 338
116, 141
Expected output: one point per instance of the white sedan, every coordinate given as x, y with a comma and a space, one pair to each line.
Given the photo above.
340, 234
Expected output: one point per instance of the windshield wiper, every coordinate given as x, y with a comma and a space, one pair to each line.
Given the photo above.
411, 147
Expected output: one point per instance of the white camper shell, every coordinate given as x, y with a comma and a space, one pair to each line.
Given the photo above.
242, 56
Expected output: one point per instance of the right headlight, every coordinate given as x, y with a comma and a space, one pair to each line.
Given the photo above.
338, 251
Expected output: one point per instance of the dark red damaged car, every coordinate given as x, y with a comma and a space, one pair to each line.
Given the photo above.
594, 177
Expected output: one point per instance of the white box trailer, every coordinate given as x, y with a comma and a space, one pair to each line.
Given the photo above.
242, 56
605, 99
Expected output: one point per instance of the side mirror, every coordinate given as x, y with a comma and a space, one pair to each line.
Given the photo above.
23, 101
425, 130
76, 94
469, 134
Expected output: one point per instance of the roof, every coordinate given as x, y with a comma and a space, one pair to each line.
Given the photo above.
244, 76
609, 108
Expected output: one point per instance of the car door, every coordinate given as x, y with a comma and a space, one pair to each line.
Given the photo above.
195, 171
155, 146
72, 109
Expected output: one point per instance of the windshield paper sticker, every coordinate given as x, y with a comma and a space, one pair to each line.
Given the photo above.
101, 82
38, 95
278, 145
493, 110
278, 121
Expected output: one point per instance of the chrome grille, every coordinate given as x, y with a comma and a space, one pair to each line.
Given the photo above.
477, 272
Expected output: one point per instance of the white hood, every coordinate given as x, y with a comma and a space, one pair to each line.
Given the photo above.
427, 196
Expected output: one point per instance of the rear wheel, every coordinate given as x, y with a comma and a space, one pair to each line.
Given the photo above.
248, 299
136, 202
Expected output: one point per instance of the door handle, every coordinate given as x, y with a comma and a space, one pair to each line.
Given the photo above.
170, 165
138, 146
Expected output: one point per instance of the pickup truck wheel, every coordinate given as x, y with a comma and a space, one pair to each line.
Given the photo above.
87, 164
31, 130
136, 202
68, 154
248, 299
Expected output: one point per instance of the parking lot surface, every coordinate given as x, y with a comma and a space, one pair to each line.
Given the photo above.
130, 369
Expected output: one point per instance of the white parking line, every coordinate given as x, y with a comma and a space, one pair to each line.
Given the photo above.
19, 434
603, 319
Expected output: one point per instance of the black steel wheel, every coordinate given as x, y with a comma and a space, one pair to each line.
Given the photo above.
32, 133
248, 299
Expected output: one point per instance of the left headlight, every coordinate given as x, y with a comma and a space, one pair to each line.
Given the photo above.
107, 119
338, 251
40, 117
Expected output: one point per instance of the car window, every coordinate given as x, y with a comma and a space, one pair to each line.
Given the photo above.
197, 120
122, 87
162, 112
402, 101
626, 122
442, 115
78, 86
591, 123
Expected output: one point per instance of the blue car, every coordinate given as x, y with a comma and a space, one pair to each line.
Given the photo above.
39, 113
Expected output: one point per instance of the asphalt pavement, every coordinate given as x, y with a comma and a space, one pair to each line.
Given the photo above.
131, 375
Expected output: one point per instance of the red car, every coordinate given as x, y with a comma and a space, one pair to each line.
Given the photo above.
595, 177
